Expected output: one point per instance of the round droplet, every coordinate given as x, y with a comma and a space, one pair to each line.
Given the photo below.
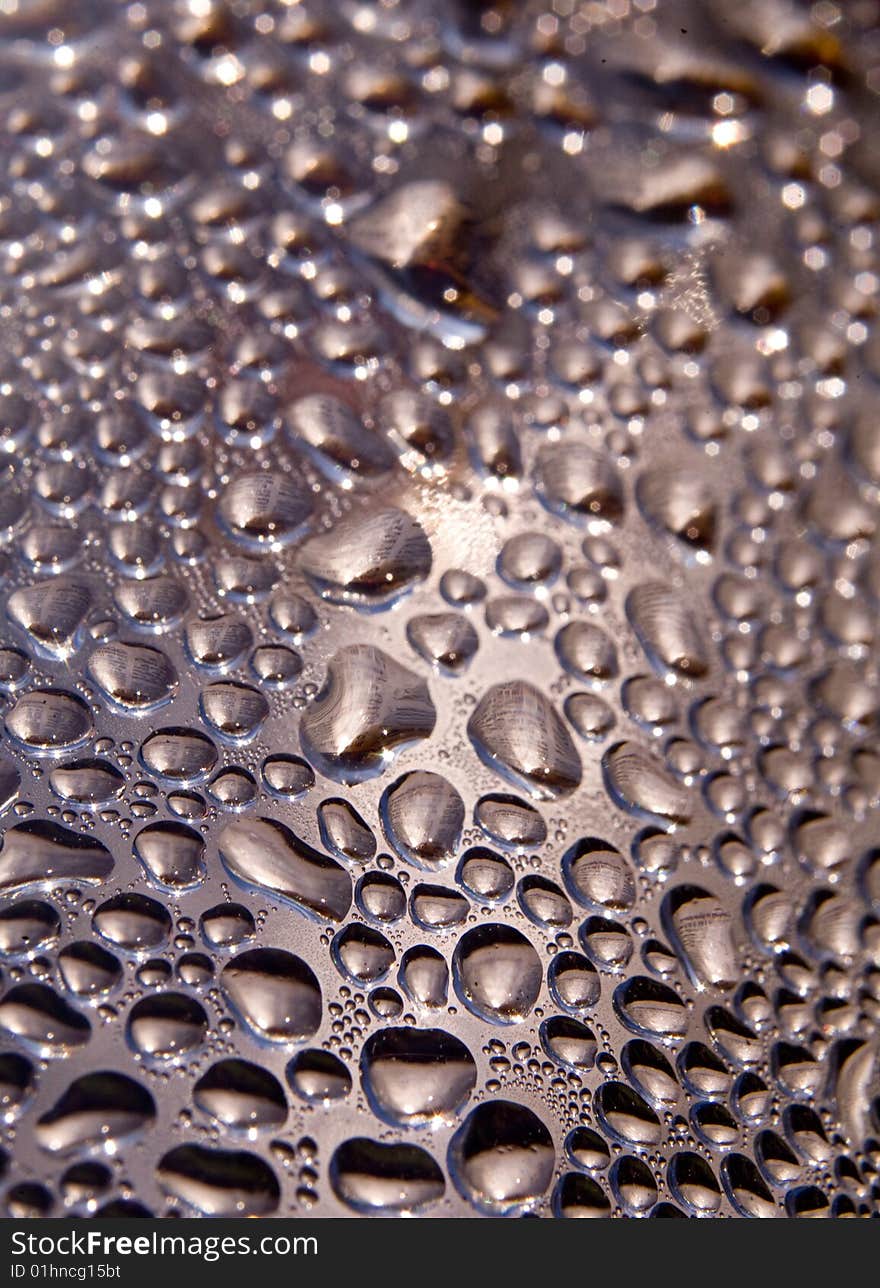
167, 1026
241, 1095
370, 1176
417, 1077
516, 731
219, 1182
319, 1076
423, 816
133, 922
275, 993
502, 1158
172, 854
47, 722
498, 973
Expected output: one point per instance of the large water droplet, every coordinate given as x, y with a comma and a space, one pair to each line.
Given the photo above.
417, 1077
275, 993
518, 732
264, 852
369, 707
502, 1158
497, 973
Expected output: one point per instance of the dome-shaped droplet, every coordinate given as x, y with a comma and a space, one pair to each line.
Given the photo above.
266, 509
700, 928
502, 1157
517, 731
498, 973
371, 1176
336, 439
276, 993
264, 852
42, 1019
368, 560
598, 875
578, 483
167, 1026
510, 822
666, 631
133, 922
172, 854
423, 816
417, 1077
642, 785
241, 1095
95, 1109
370, 706
219, 1182
47, 722
135, 677
40, 853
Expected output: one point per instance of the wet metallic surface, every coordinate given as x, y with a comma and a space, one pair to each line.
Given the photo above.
438, 540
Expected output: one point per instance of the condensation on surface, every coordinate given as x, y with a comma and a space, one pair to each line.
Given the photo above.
440, 580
